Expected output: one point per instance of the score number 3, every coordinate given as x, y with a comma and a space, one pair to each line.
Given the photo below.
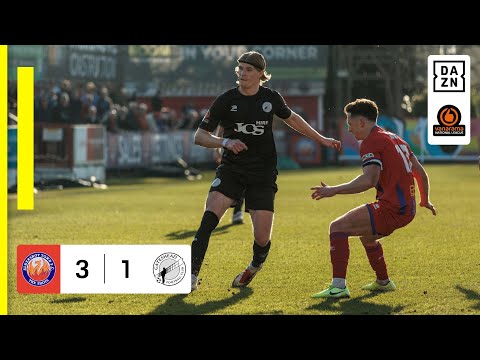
84, 267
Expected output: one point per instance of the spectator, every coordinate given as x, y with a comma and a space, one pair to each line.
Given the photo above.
62, 112
87, 101
104, 103
76, 105
122, 118
92, 117
66, 87
157, 102
190, 117
141, 117
131, 122
110, 121
42, 111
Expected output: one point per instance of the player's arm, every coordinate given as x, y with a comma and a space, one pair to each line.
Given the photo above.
207, 139
218, 151
423, 183
368, 180
219, 131
298, 123
204, 135
363, 182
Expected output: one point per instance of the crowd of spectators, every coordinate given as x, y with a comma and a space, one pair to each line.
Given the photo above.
85, 103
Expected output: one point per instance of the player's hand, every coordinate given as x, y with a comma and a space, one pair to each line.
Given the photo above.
429, 206
235, 145
322, 191
330, 142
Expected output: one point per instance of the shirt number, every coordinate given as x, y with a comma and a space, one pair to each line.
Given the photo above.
404, 153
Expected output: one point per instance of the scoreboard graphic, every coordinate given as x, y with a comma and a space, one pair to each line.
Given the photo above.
103, 269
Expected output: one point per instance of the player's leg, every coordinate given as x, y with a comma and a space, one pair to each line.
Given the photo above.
374, 251
384, 222
215, 208
259, 200
237, 217
354, 223
262, 223
225, 189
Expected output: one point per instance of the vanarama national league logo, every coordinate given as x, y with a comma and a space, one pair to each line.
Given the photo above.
449, 117
169, 269
38, 269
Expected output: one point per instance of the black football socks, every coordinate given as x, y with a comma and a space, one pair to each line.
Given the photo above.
202, 237
260, 253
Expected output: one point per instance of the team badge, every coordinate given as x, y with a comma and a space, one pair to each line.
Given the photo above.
169, 269
38, 269
267, 107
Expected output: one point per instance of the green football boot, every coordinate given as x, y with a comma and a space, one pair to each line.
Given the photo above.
332, 292
375, 286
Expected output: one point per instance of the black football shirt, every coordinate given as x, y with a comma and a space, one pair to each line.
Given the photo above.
249, 119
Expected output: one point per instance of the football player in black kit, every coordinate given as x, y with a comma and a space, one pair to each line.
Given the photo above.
249, 159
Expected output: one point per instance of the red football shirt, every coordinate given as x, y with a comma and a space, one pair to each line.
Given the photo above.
396, 186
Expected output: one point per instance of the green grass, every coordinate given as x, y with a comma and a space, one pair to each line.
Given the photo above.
435, 261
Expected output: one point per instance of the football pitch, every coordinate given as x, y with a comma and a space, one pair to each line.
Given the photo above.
434, 261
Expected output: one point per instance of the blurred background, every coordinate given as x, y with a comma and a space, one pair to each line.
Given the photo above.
107, 110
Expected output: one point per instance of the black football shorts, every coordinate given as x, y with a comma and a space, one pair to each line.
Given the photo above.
260, 187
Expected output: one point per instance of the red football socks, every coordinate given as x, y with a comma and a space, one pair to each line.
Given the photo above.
377, 261
339, 253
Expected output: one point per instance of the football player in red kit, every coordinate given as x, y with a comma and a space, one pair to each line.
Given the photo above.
390, 166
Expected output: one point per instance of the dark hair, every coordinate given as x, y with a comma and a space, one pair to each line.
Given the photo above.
253, 58
363, 107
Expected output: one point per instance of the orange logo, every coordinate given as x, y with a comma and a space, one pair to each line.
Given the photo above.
38, 269
449, 117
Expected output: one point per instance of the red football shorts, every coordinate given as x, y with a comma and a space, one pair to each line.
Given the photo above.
385, 221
